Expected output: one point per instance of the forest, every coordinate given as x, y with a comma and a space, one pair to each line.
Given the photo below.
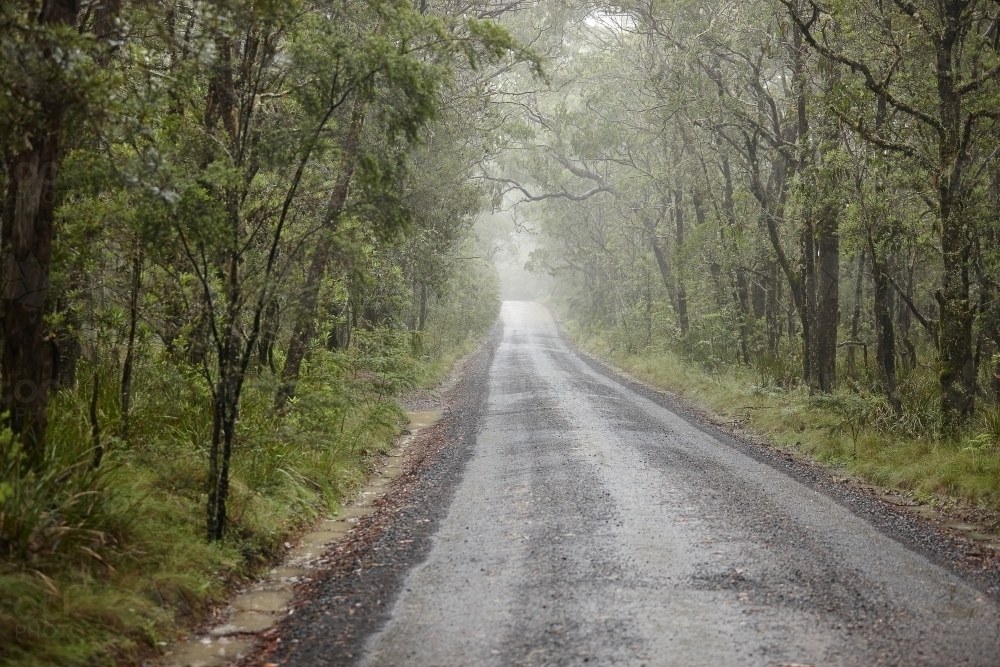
788, 211
235, 232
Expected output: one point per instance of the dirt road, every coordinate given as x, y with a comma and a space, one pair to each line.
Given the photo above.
582, 521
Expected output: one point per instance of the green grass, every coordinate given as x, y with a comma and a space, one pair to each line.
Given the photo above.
853, 429
105, 567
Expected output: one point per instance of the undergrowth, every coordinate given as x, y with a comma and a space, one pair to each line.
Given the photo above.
854, 427
105, 566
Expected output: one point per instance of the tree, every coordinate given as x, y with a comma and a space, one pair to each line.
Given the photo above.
50, 83
934, 65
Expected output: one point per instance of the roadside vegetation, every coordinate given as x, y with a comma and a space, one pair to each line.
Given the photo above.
101, 565
234, 235
787, 210
854, 429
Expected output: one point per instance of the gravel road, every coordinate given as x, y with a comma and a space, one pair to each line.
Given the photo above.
580, 520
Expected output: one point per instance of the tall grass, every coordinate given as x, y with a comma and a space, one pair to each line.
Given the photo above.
101, 566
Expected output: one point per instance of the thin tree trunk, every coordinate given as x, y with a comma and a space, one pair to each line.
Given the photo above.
422, 318
807, 315
126, 385
859, 288
95, 428
682, 314
269, 331
304, 329
805, 166
222, 105
827, 299
771, 307
67, 340
741, 288
885, 338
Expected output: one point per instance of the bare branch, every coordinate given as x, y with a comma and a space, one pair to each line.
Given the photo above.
564, 194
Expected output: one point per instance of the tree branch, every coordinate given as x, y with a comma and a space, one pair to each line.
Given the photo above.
549, 195
929, 325
857, 66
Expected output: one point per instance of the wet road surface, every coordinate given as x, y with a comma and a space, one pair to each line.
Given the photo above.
592, 525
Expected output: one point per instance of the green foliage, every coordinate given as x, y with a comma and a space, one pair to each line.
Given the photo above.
856, 411
199, 149
101, 565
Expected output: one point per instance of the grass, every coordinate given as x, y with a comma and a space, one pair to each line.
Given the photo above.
105, 567
853, 429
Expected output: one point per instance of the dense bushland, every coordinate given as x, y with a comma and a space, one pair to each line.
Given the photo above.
233, 234
104, 563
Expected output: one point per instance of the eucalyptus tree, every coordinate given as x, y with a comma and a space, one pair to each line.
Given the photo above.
51, 87
430, 47
923, 84
242, 135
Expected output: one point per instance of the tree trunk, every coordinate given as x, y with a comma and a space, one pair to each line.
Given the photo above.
772, 212
222, 105
682, 314
269, 331
885, 337
305, 310
904, 318
827, 300
808, 287
771, 289
741, 286
859, 290
340, 333
67, 349
28, 231
26, 245
225, 404
126, 385
95, 427
806, 168
664, 265
956, 363
422, 318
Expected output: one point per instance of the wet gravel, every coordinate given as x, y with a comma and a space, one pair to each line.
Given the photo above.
561, 515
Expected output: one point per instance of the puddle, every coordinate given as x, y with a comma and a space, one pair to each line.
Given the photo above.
423, 419
964, 527
244, 622
265, 603
269, 601
208, 652
970, 531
